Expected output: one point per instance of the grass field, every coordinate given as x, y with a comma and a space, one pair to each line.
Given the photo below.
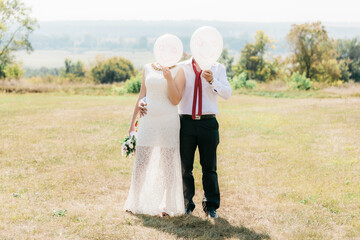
288, 169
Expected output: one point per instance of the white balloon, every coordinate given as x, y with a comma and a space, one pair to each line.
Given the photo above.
206, 45
168, 50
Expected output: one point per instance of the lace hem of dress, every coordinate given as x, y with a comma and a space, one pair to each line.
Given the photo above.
156, 184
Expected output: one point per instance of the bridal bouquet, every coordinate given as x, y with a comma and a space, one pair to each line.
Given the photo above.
129, 143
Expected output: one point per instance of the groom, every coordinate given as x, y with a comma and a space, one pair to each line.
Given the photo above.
200, 129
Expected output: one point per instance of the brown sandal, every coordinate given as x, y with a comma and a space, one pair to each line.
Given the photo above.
163, 214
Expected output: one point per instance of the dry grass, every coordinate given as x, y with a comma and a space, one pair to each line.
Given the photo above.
347, 89
59, 86
288, 169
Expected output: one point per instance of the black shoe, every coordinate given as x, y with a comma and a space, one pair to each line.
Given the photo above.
212, 214
188, 211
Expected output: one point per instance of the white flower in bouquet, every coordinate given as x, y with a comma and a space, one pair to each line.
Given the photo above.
124, 149
129, 145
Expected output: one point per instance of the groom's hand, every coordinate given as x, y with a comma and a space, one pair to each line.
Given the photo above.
208, 75
143, 109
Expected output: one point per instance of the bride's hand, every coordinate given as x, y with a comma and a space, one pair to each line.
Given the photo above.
167, 74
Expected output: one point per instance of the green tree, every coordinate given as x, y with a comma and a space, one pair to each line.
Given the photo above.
277, 68
227, 60
349, 55
313, 52
13, 71
252, 60
113, 70
16, 25
76, 69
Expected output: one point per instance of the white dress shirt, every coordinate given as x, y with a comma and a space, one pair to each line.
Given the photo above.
210, 92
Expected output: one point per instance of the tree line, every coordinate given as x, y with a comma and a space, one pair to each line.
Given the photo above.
314, 56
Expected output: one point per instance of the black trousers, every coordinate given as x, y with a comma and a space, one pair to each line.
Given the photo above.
203, 134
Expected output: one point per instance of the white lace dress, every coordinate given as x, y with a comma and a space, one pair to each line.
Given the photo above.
156, 184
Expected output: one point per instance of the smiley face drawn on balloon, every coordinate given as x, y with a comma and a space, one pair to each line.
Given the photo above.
206, 46
168, 53
199, 42
168, 50
165, 55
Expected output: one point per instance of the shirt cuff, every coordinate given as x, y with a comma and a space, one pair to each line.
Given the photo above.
216, 85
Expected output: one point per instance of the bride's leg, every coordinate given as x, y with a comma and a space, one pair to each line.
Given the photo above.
142, 159
168, 176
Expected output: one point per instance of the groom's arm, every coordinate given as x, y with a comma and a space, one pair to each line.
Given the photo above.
221, 85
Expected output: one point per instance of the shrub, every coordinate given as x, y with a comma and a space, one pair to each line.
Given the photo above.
13, 71
337, 83
299, 81
113, 70
250, 84
133, 85
240, 81
118, 90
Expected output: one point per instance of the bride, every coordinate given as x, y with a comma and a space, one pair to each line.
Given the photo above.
156, 184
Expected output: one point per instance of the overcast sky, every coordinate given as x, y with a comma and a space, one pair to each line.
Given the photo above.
221, 10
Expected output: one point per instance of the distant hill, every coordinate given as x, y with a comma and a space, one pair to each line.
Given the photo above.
140, 35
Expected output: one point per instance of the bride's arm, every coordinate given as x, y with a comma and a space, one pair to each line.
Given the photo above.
137, 109
175, 86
